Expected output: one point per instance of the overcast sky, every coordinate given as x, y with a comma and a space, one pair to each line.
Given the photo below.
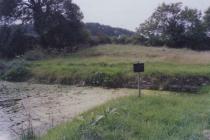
127, 13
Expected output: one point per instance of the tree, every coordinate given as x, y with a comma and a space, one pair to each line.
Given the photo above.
56, 21
163, 25
206, 24
174, 26
207, 20
194, 35
14, 41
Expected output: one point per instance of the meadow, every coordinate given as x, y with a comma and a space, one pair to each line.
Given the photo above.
111, 66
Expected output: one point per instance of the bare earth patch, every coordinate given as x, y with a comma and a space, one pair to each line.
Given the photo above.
46, 105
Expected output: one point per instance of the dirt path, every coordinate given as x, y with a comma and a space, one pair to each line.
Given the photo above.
46, 105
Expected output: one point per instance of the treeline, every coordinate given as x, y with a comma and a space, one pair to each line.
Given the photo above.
56, 23
174, 25
50, 24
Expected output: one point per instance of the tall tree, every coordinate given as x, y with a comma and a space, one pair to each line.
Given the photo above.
163, 24
173, 25
207, 20
194, 35
48, 16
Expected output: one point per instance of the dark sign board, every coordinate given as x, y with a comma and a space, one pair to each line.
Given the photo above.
138, 67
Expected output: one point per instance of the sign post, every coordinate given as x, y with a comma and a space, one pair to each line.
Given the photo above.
138, 68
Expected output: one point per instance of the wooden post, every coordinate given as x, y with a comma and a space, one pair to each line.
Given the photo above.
139, 80
138, 68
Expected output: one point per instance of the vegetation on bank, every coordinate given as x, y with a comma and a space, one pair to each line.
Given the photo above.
155, 116
111, 66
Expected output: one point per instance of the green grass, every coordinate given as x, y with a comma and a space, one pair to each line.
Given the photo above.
115, 60
155, 116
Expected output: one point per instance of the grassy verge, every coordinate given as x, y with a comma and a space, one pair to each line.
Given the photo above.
155, 116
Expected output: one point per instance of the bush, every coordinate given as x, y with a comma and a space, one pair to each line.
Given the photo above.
36, 54
16, 71
98, 79
2, 68
14, 42
96, 40
106, 80
122, 40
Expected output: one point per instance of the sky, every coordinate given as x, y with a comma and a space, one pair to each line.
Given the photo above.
127, 13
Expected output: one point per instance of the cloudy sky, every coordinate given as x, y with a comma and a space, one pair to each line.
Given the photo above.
127, 13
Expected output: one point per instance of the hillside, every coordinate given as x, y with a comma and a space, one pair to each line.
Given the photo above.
97, 29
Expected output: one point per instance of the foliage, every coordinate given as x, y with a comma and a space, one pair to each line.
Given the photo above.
16, 71
2, 68
35, 54
97, 29
103, 34
207, 21
111, 80
58, 23
100, 39
123, 40
174, 26
14, 41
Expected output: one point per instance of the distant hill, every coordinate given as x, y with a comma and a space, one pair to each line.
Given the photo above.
98, 29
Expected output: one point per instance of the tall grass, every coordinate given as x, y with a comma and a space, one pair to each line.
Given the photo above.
105, 65
113, 59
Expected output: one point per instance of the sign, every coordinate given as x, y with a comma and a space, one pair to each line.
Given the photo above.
138, 67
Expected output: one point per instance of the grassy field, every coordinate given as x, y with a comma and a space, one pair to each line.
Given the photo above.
155, 116
111, 65
119, 59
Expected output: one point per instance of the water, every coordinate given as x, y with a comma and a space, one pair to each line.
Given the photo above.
4, 126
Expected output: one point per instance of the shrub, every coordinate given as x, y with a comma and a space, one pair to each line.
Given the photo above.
2, 67
106, 80
98, 79
16, 71
100, 39
36, 54
14, 42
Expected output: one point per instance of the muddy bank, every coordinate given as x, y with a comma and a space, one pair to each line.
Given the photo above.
171, 83
177, 83
45, 105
